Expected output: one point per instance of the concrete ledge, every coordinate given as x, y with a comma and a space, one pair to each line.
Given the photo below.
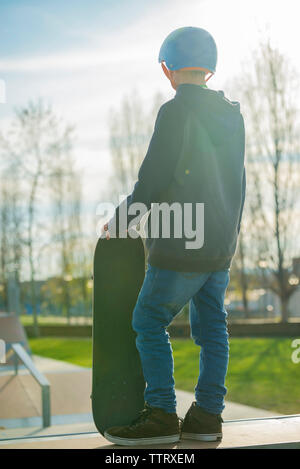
61, 331
264, 329
242, 328
246, 329
279, 432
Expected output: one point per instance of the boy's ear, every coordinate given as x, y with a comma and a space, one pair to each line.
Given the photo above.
166, 70
168, 75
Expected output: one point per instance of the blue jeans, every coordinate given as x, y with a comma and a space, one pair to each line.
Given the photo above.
162, 296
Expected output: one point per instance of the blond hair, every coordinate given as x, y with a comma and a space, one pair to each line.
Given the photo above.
191, 74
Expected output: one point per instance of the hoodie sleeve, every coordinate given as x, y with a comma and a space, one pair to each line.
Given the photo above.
158, 166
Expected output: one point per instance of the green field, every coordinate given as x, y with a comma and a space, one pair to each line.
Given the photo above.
56, 320
76, 351
261, 372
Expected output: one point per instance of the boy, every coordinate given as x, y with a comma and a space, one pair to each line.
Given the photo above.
196, 158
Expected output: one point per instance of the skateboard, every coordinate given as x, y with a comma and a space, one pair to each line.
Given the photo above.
117, 378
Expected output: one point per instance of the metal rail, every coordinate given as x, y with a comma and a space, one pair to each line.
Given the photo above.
21, 354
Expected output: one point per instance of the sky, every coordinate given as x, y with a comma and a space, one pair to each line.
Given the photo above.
83, 56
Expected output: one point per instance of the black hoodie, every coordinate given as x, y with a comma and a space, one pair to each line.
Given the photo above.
196, 156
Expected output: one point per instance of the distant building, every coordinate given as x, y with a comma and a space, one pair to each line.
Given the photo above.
264, 303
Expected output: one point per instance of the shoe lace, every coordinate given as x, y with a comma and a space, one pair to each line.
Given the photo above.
142, 417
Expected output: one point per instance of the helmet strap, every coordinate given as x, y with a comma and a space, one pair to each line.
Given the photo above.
206, 79
168, 75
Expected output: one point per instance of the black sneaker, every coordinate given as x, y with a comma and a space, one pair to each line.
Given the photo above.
201, 425
152, 426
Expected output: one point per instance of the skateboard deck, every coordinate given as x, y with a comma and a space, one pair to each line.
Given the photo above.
118, 383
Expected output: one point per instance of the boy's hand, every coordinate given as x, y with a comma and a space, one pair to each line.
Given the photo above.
105, 230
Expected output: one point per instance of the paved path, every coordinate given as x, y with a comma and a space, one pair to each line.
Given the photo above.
20, 401
232, 411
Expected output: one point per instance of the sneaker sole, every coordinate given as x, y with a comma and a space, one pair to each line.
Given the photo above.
202, 436
142, 441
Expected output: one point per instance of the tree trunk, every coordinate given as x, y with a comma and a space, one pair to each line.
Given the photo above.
243, 277
31, 254
284, 309
245, 302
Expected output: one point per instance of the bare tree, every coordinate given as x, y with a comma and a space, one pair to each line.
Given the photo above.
35, 135
130, 131
270, 107
4, 243
11, 217
240, 263
65, 190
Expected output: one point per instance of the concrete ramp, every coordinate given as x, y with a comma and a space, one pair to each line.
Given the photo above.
72, 422
269, 433
12, 331
71, 387
20, 395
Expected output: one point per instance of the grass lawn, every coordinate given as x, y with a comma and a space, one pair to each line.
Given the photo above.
27, 320
261, 372
76, 351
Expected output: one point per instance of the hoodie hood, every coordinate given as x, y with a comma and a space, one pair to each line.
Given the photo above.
220, 116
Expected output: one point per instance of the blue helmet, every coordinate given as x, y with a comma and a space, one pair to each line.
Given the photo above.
189, 47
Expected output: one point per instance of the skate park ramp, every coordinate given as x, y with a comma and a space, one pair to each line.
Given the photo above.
268, 433
71, 418
72, 424
12, 331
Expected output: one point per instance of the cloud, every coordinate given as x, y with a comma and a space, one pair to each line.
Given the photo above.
83, 83
72, 60
2, 92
